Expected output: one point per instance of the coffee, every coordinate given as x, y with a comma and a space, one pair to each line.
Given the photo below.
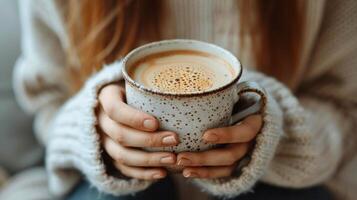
187, 113
182, 71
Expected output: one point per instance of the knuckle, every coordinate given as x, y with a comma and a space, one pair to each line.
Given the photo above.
228, 171
241, 151
254, 123
119, 158
204, 173
249, 127
109, 147
197, 160
136, 119
127, 172
104, 124
110, 109
244, 148
250, 130
227, 135
103, 93
146, 175
152, 141
255, 119
106, 145
119, 167
231, 157
120, 136
101, 117
150, 160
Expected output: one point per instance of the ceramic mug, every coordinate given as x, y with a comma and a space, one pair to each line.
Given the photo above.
189, 115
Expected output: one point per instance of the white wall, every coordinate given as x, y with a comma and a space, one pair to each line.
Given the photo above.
18, 147
9, 41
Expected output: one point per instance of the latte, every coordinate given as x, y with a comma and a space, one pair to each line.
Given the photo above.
182, 71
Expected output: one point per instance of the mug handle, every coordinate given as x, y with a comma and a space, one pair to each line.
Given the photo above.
257, 107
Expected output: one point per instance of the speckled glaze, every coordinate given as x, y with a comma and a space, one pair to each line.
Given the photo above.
190, 114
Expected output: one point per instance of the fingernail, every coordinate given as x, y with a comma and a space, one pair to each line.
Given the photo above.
157, 176
210, 137
169, 140
184, 161
167, 160
149, 124
190, 174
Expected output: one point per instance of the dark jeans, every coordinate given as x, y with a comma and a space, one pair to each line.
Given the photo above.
165, 190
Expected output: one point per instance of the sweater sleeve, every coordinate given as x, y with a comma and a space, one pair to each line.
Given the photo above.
326, 141
65, 124
307, 137
300, 144
74, 143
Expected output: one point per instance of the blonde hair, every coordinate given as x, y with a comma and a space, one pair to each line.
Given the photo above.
102, 31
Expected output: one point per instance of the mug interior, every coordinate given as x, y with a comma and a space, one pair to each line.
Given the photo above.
179, 44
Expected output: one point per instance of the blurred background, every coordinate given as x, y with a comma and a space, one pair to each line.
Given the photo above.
13, 121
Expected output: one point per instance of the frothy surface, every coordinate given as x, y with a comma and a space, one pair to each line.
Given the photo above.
182, 71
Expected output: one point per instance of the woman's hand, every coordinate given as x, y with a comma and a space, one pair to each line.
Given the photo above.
221, 162
125, 130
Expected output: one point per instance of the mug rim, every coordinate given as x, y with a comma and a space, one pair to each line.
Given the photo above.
173, 94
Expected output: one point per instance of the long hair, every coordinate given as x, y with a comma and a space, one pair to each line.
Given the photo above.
101, 31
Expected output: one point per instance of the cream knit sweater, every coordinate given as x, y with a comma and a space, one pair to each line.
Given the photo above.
309, 136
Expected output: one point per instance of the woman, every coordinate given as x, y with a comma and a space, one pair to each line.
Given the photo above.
305, 138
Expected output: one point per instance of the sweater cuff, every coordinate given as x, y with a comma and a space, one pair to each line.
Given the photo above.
263, 152
74, 143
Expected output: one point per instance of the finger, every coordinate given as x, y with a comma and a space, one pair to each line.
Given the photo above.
208, 172
215, 157
241, 132
141, 173
135, 138
112, 99
136, 157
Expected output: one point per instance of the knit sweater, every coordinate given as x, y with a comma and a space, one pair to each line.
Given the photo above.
308, 134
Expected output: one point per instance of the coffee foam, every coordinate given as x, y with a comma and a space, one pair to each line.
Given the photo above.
182, 71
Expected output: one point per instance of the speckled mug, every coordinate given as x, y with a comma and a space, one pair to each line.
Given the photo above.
190, 114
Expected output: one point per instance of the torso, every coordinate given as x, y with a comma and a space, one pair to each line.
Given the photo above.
206, 20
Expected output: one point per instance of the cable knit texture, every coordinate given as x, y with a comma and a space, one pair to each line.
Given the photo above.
308, 135
75, 143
